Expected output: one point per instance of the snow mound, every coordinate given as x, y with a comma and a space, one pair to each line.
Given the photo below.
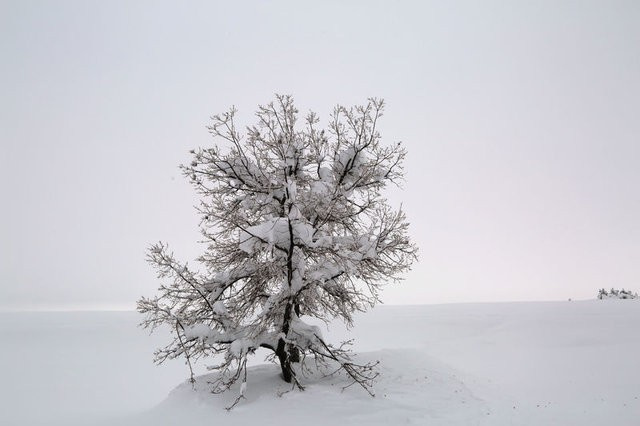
413, 388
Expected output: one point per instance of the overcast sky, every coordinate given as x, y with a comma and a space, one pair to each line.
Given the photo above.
521, 120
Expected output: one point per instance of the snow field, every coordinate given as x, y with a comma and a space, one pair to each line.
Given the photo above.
544, 363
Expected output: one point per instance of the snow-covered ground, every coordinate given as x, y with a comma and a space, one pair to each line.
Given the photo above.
545, 363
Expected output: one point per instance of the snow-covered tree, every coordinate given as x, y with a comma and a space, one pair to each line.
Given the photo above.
616, 294
295, 226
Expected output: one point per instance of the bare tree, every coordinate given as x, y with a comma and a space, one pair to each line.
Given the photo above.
294, 225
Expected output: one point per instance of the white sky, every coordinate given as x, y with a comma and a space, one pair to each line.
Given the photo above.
521, 120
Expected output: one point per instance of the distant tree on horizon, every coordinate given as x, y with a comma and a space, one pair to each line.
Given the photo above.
616, 294
295, 226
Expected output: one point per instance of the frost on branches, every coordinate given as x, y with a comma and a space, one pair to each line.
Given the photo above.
295, 226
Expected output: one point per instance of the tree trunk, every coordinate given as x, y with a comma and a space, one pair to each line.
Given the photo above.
287, 353
282, 352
